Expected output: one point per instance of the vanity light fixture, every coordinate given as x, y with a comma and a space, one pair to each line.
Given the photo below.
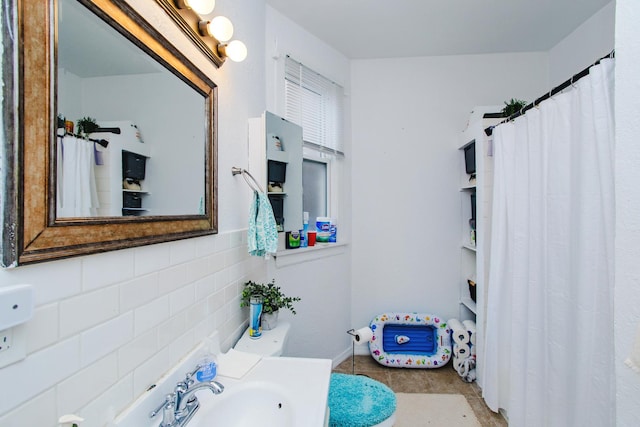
219, 28
235, 50
210, 36
201, 7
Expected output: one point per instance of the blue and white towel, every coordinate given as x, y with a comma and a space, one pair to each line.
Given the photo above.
262, 235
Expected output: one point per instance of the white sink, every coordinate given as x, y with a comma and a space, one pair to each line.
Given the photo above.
278, 392
250, 404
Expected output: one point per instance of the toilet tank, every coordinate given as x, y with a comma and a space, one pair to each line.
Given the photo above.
271, 343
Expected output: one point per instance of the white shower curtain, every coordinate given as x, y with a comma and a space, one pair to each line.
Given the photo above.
77, 195
549, 338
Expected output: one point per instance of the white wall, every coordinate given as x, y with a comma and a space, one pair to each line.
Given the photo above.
106, 326
171, 122
319, 328
627, 292
408, 115
590, 41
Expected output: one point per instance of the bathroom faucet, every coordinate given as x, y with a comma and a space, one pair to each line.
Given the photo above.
186, 401
180, 406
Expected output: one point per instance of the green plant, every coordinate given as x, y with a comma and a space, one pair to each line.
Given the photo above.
87, 125
61, 120
513, 106
272, 297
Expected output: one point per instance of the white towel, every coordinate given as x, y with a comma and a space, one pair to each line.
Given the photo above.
235, 364
78, 196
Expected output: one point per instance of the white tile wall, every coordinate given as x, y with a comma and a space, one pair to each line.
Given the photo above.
135, 352
151, 315
107, 268
107, 326
60, 279
172, 278
138, 291
105, 407
182, 251
151, 258
38, 411
181, 299
101, 340
88, 309
42, 329
38, 372
87, 384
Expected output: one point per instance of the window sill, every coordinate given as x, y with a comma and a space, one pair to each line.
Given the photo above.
296, 256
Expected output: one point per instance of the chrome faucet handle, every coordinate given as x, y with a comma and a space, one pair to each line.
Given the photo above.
168, 415
168, 400
192, 373
188, 379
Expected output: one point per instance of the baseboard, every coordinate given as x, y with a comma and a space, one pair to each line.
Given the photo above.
341, 358
358, 350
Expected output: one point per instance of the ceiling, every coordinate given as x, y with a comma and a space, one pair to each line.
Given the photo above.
406, 28
89, 47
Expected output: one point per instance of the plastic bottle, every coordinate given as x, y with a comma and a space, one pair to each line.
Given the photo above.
208, 368
208, 364
255, 313
323, 225
304, 241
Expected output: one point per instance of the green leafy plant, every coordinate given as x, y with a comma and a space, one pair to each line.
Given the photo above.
513, 106
61, 120
272, 297
87, 125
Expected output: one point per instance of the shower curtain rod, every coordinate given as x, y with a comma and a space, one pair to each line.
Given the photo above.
102, 142
552, 92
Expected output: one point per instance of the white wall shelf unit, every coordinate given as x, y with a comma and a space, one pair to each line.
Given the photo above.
109, 175
274, 139
474, 250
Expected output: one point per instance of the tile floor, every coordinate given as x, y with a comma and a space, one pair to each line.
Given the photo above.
443, 380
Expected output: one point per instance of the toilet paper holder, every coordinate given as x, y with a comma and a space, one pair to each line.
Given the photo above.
360, 336
352, 332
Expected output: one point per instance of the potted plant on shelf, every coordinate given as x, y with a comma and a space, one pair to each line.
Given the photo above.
513, 106
272, 301
87, 125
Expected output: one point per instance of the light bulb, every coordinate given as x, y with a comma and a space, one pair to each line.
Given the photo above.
201, 7
235, 51
221, 28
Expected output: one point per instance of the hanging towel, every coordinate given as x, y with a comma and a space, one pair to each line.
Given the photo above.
263, 234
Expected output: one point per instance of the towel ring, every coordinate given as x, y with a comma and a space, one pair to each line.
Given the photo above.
253, 183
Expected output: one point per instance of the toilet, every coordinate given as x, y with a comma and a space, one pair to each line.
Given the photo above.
342, 409
271, 343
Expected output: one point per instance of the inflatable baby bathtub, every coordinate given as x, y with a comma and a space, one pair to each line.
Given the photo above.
410, 340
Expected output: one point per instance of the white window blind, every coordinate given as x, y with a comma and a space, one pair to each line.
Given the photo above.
315, 103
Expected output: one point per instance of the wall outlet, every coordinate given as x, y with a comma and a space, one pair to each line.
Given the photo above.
13, 345
6, 340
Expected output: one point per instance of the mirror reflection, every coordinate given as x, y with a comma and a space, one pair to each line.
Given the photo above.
147, 155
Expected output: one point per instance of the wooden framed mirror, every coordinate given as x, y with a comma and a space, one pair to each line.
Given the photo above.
35, 229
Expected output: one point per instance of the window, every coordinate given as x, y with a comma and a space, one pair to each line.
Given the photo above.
314, 185
316, 103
